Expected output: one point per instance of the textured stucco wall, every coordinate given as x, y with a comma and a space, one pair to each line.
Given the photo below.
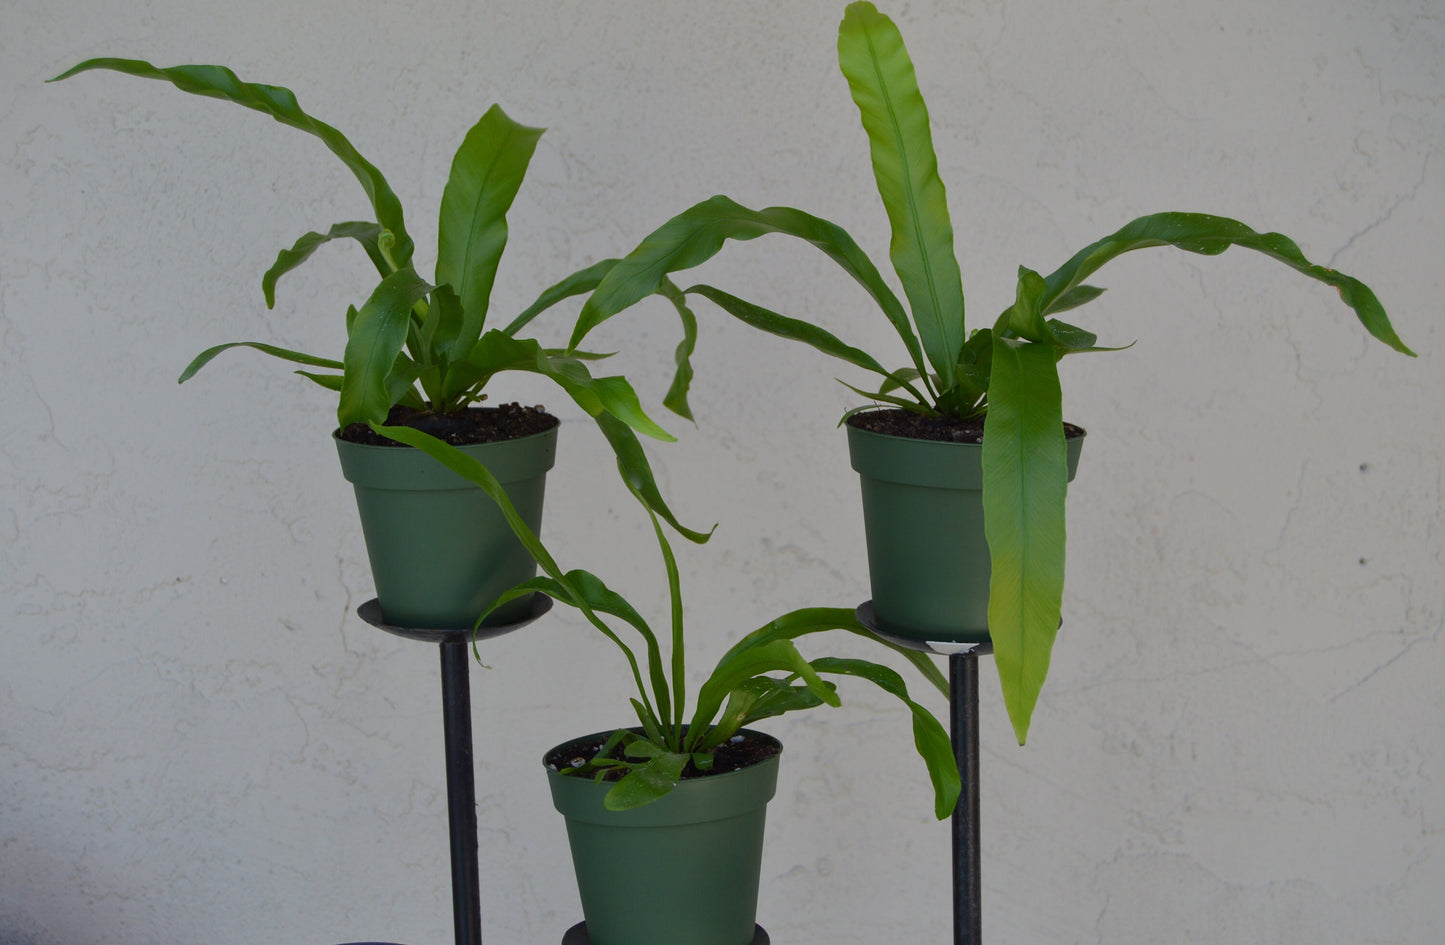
1241, 738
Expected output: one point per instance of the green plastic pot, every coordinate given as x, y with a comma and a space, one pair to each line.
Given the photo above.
440, 549
928, 563
682, 870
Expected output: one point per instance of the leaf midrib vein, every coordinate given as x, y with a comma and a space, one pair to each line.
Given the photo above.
912, 203
472, 230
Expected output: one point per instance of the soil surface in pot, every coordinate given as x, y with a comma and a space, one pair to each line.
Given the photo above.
743, 750
463, 428
895, 422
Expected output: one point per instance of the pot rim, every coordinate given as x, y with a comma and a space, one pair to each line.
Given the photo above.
409, 469
351, 444
933, 464
606, 733
705, 799
1068, 428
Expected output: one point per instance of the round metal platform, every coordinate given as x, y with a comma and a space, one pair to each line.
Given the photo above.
371, 613
865, 615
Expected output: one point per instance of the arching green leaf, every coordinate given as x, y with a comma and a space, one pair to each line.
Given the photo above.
1209, 236
929, 736
697, 234
367, 234
296, 357
280, 104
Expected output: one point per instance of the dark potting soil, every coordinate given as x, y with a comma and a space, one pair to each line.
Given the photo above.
743, 750
463, 428
892, 421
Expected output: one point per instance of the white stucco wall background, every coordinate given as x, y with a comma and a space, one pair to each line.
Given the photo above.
1241, 737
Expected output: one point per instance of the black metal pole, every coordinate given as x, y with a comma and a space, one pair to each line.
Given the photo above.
967, 885
461, 783
461, 794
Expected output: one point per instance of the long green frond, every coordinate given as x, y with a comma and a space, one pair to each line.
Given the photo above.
1025, 479
880, 76
280, 104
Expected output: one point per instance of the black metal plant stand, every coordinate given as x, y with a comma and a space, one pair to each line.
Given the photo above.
963, 701
457, 723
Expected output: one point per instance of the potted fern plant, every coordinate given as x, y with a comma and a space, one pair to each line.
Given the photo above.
419, 353
965, 470
665, 816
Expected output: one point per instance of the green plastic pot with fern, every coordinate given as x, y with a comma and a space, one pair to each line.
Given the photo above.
689, 869
422, 352
1003, 373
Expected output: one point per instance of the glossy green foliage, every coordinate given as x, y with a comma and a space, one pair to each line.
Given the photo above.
1025, 479
472, 231
880, 76
1004, 372
741, 688
427, 345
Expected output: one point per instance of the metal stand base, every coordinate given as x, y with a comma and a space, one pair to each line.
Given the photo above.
963, 701
577, 935
457, 724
